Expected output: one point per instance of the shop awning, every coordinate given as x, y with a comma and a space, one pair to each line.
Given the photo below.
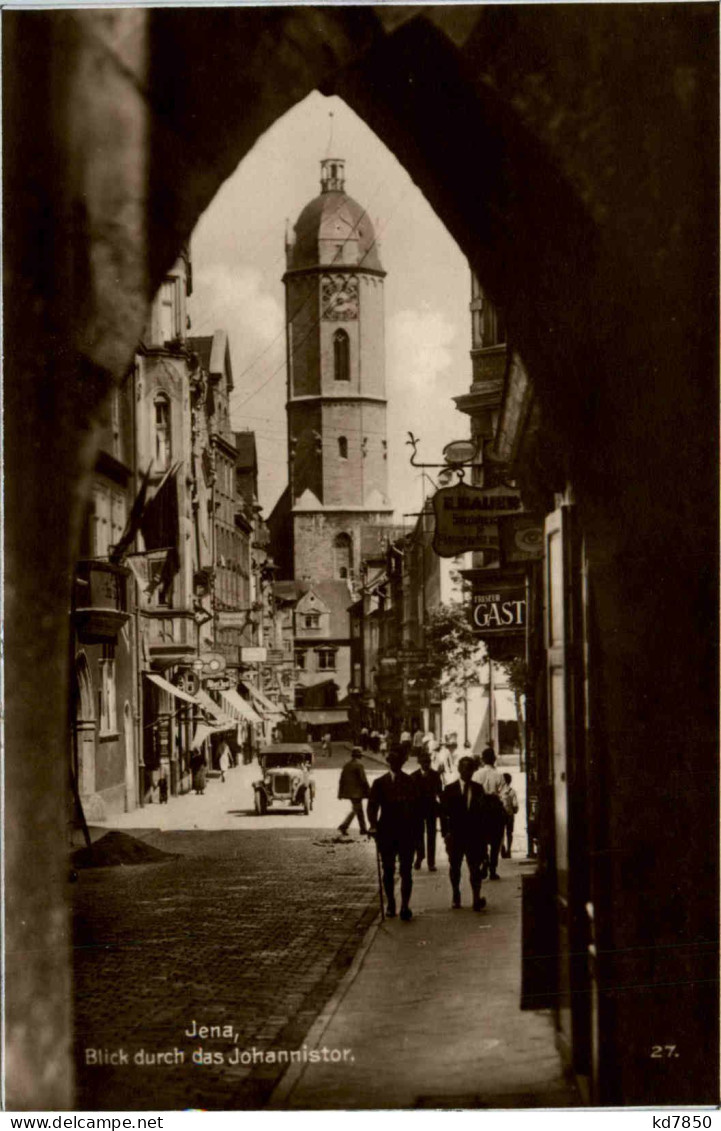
322, 717
222, 721
237, 707
170, 688
202, 731
268, 707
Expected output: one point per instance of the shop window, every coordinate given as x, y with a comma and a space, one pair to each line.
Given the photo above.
107, 706
341, 356
162, 433
326, 660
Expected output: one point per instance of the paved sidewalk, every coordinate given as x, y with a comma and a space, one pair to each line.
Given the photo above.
431, 1012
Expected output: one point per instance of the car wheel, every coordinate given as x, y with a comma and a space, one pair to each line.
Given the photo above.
261, 803
307, 802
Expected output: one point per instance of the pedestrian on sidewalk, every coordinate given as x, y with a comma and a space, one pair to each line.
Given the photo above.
325, 745
417, 740
394, 813
430, 789
464, 822
353, 786
364, 738
223, 759
197, 768
492, 782
445, 761
405, 742
510, 808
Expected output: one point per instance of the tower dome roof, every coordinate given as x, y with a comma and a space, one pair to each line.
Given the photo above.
333, 229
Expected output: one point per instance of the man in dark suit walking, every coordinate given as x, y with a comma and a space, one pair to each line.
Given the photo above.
430, 789
464, 821
394, 813
353, 787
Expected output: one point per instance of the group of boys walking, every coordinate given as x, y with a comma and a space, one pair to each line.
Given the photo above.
403, 811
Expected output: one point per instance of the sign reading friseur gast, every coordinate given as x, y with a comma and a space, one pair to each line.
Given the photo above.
464, 515
500, 609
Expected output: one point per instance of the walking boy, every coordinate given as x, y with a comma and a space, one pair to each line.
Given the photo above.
510, 808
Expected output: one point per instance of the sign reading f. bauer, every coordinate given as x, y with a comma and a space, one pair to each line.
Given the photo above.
467, 517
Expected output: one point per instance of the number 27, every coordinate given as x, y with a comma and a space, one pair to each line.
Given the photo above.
661, 1052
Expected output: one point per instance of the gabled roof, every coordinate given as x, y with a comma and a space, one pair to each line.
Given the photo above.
288, 590
336, 596
214, 354
312, 600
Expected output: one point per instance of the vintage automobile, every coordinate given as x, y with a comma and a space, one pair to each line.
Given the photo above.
286, 777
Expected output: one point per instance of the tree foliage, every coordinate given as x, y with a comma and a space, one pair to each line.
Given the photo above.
455, 653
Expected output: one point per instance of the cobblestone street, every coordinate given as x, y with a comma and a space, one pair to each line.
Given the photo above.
248, 929
217, 917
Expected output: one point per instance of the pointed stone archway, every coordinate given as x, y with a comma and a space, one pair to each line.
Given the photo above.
566, 150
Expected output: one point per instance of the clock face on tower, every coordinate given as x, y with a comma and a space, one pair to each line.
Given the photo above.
339, 297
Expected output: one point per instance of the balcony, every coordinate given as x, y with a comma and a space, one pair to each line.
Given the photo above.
100, 601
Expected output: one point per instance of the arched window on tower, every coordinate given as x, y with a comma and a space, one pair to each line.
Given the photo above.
343, 555
342, 447
341, 356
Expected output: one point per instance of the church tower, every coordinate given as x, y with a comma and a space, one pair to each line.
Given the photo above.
337, 448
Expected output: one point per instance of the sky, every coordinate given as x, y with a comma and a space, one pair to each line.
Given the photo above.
238, 253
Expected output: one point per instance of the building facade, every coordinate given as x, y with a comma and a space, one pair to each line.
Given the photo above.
105, 709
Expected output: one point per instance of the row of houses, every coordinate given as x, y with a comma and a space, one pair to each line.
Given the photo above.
173, 616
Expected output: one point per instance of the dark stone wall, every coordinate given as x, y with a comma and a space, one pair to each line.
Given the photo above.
583, 145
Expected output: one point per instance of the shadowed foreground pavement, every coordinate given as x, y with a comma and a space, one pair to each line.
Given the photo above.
431, 1012
251, 930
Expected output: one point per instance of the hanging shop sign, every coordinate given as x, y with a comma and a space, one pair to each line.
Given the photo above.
232, 620
253, 655
521, 537
499, 607
218, 683
467, 517
188, 681
413, 655
213, 663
